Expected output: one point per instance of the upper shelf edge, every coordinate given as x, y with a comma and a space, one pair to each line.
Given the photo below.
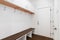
15, 6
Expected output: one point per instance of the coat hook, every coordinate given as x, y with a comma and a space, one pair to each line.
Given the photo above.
4, 8
37, 22
14, 10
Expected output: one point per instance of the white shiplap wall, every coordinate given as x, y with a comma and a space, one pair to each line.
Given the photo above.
13, 21
42, 17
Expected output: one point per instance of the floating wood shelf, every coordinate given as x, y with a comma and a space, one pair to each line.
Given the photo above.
15, 6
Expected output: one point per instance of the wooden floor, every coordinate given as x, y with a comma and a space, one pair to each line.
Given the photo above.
35, 37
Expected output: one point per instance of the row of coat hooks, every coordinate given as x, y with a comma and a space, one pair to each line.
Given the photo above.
5, 8
15, 7
14, 10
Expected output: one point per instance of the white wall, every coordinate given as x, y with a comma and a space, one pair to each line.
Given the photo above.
13, 21
23, 3
54, 17
42, 22
57, 19
40, 3
42, 16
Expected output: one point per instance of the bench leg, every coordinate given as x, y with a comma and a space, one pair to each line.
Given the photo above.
29, 34
24, 37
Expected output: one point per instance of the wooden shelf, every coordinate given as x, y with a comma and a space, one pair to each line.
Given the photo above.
15, 6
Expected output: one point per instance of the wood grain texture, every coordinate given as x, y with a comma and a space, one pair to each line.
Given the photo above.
18, 35
38, 37
15, 6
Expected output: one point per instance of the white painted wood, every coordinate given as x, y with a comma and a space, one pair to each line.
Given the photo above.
29, 34
56, 19
13, 21
43, 22
21, 38
42, 17
24, 37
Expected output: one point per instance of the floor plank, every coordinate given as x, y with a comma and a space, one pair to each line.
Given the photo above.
36, 37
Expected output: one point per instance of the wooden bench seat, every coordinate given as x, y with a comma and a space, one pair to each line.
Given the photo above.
18, 35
